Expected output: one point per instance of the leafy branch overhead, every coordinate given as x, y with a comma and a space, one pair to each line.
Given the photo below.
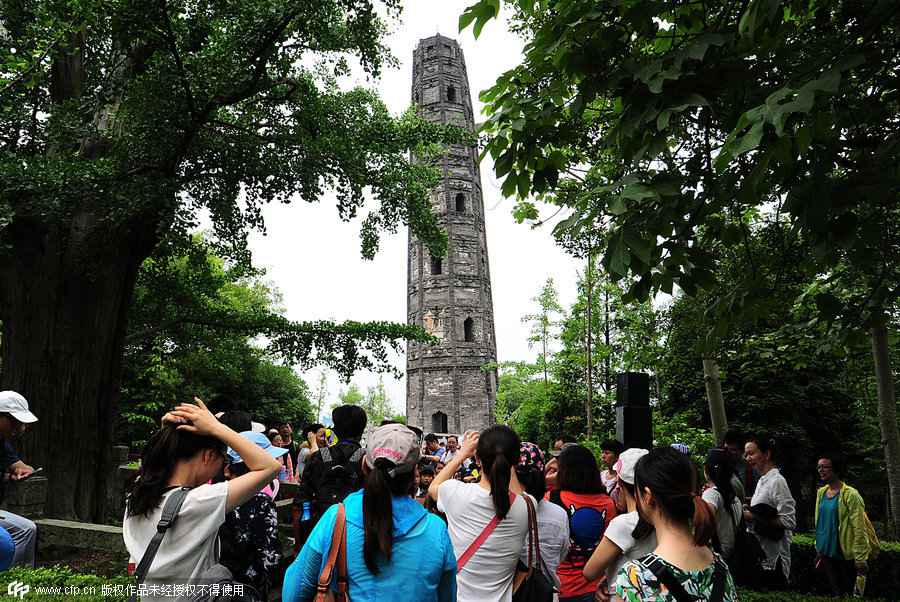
177, 107
189, 294
673, 127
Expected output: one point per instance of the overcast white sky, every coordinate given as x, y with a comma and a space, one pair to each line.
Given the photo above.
314, 259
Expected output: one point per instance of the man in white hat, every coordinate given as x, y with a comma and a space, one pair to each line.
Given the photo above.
14, 419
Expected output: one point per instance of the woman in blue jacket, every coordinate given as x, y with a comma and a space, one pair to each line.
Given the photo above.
395, 549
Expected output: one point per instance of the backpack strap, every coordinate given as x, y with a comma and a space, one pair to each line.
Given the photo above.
656, 566
485, 533
338, 541
357, 456
169, 513
325, 453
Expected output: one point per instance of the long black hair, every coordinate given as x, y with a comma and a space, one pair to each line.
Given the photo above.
578, 471
163, 451
378, 511
533, 481
498, 452
671, 478
720, 468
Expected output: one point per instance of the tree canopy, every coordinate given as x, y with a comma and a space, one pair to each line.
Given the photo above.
196, 328
122, 123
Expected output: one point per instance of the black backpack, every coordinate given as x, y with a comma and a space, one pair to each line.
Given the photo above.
342, 474
747, 556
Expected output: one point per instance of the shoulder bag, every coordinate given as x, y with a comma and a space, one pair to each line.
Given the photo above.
532, 585
337, 557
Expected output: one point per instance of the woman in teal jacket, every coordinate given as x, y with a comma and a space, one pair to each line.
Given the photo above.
395, 549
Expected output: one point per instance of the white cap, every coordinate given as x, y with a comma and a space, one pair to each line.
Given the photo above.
14, 404
628, 459
257, 427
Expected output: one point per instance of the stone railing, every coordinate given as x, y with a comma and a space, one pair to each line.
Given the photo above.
26, 498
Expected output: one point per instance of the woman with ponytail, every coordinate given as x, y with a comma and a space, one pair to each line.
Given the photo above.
488, 520
395, 549
682, 566
721, 497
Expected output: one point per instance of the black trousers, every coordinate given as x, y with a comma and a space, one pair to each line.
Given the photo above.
773, 579
837, 576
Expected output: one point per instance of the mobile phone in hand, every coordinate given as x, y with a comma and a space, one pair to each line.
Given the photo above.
36, 471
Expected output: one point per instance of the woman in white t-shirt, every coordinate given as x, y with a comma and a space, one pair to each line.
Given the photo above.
189, 451
626, 537
718, 470
488, 575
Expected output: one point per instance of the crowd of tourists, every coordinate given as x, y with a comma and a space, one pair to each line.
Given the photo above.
391, 515
479, 517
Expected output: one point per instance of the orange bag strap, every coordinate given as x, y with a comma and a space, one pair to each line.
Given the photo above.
338, 539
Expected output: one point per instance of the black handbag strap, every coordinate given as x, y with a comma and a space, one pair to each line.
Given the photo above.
659, 569
169, 512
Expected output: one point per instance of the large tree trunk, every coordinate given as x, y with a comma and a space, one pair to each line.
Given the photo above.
714, 397
887, 416
64, 297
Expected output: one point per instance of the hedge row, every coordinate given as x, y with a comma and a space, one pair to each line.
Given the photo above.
747, 595
884, 573
81, 587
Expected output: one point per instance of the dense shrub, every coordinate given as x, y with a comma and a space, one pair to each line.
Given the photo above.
84, 588
747, 595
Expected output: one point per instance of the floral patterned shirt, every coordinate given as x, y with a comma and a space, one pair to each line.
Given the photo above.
249, 540
637, 583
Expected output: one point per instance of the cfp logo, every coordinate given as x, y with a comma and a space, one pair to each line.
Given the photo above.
17, 589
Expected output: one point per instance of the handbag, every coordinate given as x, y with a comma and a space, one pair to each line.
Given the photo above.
216, 575
747, 556
532, 585
337, 557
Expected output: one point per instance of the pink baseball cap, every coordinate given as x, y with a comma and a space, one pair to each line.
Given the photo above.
394, 442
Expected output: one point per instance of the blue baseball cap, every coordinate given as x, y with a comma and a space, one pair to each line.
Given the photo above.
262, 441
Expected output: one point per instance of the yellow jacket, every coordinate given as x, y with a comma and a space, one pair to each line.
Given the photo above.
851, 523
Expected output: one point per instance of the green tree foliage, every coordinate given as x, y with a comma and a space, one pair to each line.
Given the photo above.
523, 400
120, 122
544, 323
351, 396
192, 326
377, 403
669, 126
627, 338
666, 117
784, 373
